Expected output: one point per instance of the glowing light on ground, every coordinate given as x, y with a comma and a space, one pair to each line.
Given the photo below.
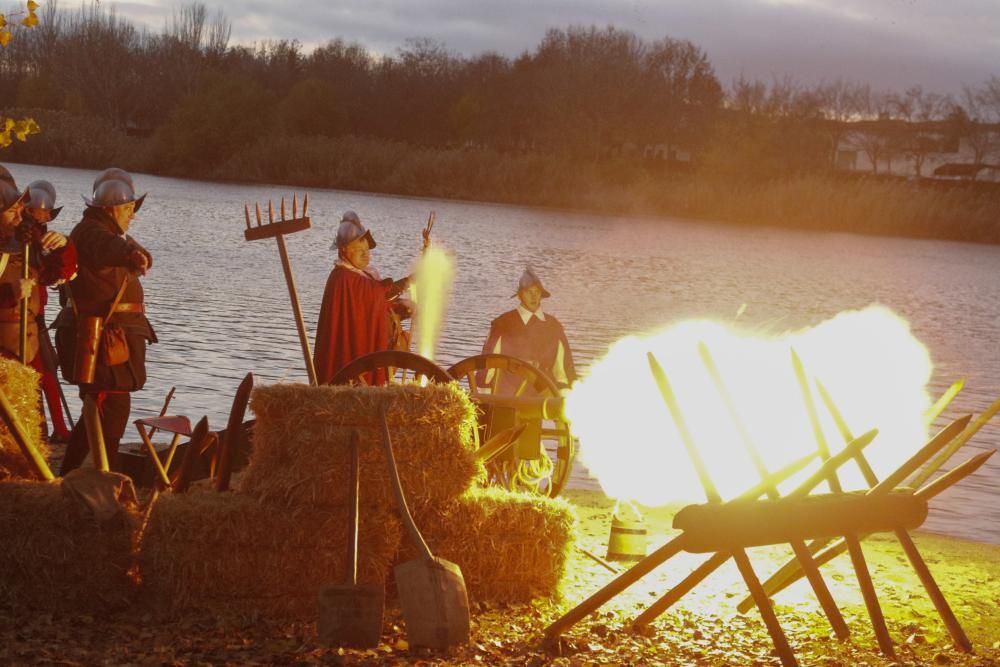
870, 363
433, 278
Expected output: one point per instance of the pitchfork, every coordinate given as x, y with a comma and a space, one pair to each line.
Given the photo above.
277, 230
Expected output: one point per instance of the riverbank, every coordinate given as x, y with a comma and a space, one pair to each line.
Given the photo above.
615, 186
702, 629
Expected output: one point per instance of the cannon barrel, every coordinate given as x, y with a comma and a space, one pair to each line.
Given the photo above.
539, 407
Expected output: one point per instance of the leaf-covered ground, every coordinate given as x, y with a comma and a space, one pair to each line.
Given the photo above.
703, 629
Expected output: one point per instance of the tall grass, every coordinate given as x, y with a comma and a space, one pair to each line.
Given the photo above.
617, 187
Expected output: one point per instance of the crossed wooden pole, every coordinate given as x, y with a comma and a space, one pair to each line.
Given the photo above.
727, 528
277, 230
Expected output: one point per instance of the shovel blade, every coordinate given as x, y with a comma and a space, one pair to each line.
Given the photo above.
434, 601
351, 615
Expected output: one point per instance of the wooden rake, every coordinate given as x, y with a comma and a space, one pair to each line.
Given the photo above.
277, 230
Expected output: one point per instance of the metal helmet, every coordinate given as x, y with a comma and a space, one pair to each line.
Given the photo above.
113, 174
6, 176
9, 195
114, 193
351, 229
42, 195
528, 279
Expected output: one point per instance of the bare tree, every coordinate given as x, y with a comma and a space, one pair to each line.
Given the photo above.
981, 118
918, 109
839, 102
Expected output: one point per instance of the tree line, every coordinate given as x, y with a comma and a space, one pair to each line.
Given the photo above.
586, 110
582, 92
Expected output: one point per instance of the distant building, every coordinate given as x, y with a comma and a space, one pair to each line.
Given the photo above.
899, 149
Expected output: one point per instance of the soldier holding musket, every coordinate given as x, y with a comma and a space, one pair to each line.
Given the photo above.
102, 332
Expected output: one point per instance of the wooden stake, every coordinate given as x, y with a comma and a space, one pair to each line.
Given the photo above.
295, 205
305, 205
282, 207
853, 543
16, 429
936, 464
257, 208
802, 554
246, 211
270, 211
739, 555
95, 433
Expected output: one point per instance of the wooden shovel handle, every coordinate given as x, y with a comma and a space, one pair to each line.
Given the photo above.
397, 488
352, 537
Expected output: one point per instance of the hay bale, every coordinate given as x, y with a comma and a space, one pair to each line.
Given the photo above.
54, 556
300, 452
20, 384
512, 547
231, 554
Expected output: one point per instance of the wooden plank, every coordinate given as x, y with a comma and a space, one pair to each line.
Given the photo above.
276, 229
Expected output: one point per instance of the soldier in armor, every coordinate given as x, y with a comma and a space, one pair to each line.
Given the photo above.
107, 289
51, 261
39, 211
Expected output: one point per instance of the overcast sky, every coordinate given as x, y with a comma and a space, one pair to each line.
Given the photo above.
939, 44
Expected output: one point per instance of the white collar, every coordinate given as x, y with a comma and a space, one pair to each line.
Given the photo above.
350, 267
526, 314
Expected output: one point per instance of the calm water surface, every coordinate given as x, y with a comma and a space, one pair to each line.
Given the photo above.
220, 306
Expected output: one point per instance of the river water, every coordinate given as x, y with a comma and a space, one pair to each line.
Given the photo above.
220, 306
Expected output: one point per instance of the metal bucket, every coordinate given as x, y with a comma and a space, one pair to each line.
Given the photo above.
88, 336
627, 541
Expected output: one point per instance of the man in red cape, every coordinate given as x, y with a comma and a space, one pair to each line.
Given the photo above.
354, 319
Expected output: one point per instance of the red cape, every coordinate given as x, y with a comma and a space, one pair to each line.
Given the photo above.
353, 321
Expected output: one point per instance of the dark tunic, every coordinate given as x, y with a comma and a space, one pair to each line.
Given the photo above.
104, 257
353, 321
536, 342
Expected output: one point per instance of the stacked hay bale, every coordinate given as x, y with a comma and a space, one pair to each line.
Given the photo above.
54, 555
229, 552
512, 547
270, 546
20, 385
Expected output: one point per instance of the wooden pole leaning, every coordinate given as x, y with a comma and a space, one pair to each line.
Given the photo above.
25, 303
95, 432
27, 448
861, 571
790, 572
738, 554
958, 636
802, 554
277, 230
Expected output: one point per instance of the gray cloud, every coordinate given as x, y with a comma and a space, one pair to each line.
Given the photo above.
888, 43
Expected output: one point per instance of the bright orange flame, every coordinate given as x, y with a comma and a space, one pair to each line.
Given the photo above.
869, 362
434, 274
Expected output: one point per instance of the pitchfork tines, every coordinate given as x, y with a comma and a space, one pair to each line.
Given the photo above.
279, 227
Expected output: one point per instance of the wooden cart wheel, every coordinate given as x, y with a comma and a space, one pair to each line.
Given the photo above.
399, 368
480, 376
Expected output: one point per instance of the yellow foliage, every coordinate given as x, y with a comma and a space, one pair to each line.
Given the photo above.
3, 20
4, 37
30, 20
19, 129
32, 5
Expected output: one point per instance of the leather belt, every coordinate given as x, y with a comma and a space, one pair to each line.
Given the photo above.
130, 308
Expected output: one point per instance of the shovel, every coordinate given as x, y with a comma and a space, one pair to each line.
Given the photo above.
431, 590
351, 615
